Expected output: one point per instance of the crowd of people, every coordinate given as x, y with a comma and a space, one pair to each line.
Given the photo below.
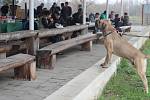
116, 20
119, 20
58, 15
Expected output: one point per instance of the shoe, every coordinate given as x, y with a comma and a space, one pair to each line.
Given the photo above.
60, 53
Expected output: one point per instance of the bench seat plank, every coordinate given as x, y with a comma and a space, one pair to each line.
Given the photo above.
57, 47
15, 61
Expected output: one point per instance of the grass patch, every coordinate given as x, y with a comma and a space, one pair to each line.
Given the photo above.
127, 85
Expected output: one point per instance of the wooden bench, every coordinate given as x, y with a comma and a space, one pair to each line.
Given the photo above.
46, 56
125, 28
23, 64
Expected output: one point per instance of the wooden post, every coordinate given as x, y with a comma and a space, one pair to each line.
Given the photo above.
26, 72
52, 61
33, 70
87, 46
45, 59
32, 45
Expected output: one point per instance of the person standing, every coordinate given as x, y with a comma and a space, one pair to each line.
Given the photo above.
68, 13
54, 10
40, 9
4, 9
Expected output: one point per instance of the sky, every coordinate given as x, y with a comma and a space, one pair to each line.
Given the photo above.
114, 1
104, 1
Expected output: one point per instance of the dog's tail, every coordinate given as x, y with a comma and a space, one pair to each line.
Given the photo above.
147, 56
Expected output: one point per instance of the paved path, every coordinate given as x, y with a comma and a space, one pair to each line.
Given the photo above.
68, 66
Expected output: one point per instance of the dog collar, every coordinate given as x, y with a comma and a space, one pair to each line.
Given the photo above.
106, 34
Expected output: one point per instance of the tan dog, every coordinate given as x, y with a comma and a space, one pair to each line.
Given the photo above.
115, 44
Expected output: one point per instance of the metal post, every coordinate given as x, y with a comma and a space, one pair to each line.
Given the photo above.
142, 13
128, 8
26, 10
13, 9
84, 11
107, 8
31, 14
121, 13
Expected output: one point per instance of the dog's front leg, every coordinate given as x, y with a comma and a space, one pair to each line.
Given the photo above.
109, 48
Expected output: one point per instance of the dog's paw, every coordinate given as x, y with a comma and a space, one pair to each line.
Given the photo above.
104, 65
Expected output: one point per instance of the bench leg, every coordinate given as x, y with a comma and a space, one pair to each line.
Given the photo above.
33, 70
87, 46
52, 61
26, 72
3, 55
45, 59
49, 62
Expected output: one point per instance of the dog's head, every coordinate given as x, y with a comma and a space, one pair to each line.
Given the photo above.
104, 25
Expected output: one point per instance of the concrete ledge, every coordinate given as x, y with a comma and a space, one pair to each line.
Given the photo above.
89, 84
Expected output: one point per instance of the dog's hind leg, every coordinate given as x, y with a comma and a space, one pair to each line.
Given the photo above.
109, 48
141, 69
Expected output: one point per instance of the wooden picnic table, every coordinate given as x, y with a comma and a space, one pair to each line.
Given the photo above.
125, 28
90, 25
32, 38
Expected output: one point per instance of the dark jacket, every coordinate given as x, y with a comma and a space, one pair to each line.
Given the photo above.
67, 11
47, 23
77, 18
126, 20
4, 10
39, 10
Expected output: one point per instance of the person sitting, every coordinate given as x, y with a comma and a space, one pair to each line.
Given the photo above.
125, 19
46, 20
91, 17
78, 17
117, 22
58, 20
103, 15
111, 16
96, 23
49, 22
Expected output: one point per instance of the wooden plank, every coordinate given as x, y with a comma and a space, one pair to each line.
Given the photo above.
4, 48
15, 61
57, 47
11, 47
17, 35
56, 31
62, 43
